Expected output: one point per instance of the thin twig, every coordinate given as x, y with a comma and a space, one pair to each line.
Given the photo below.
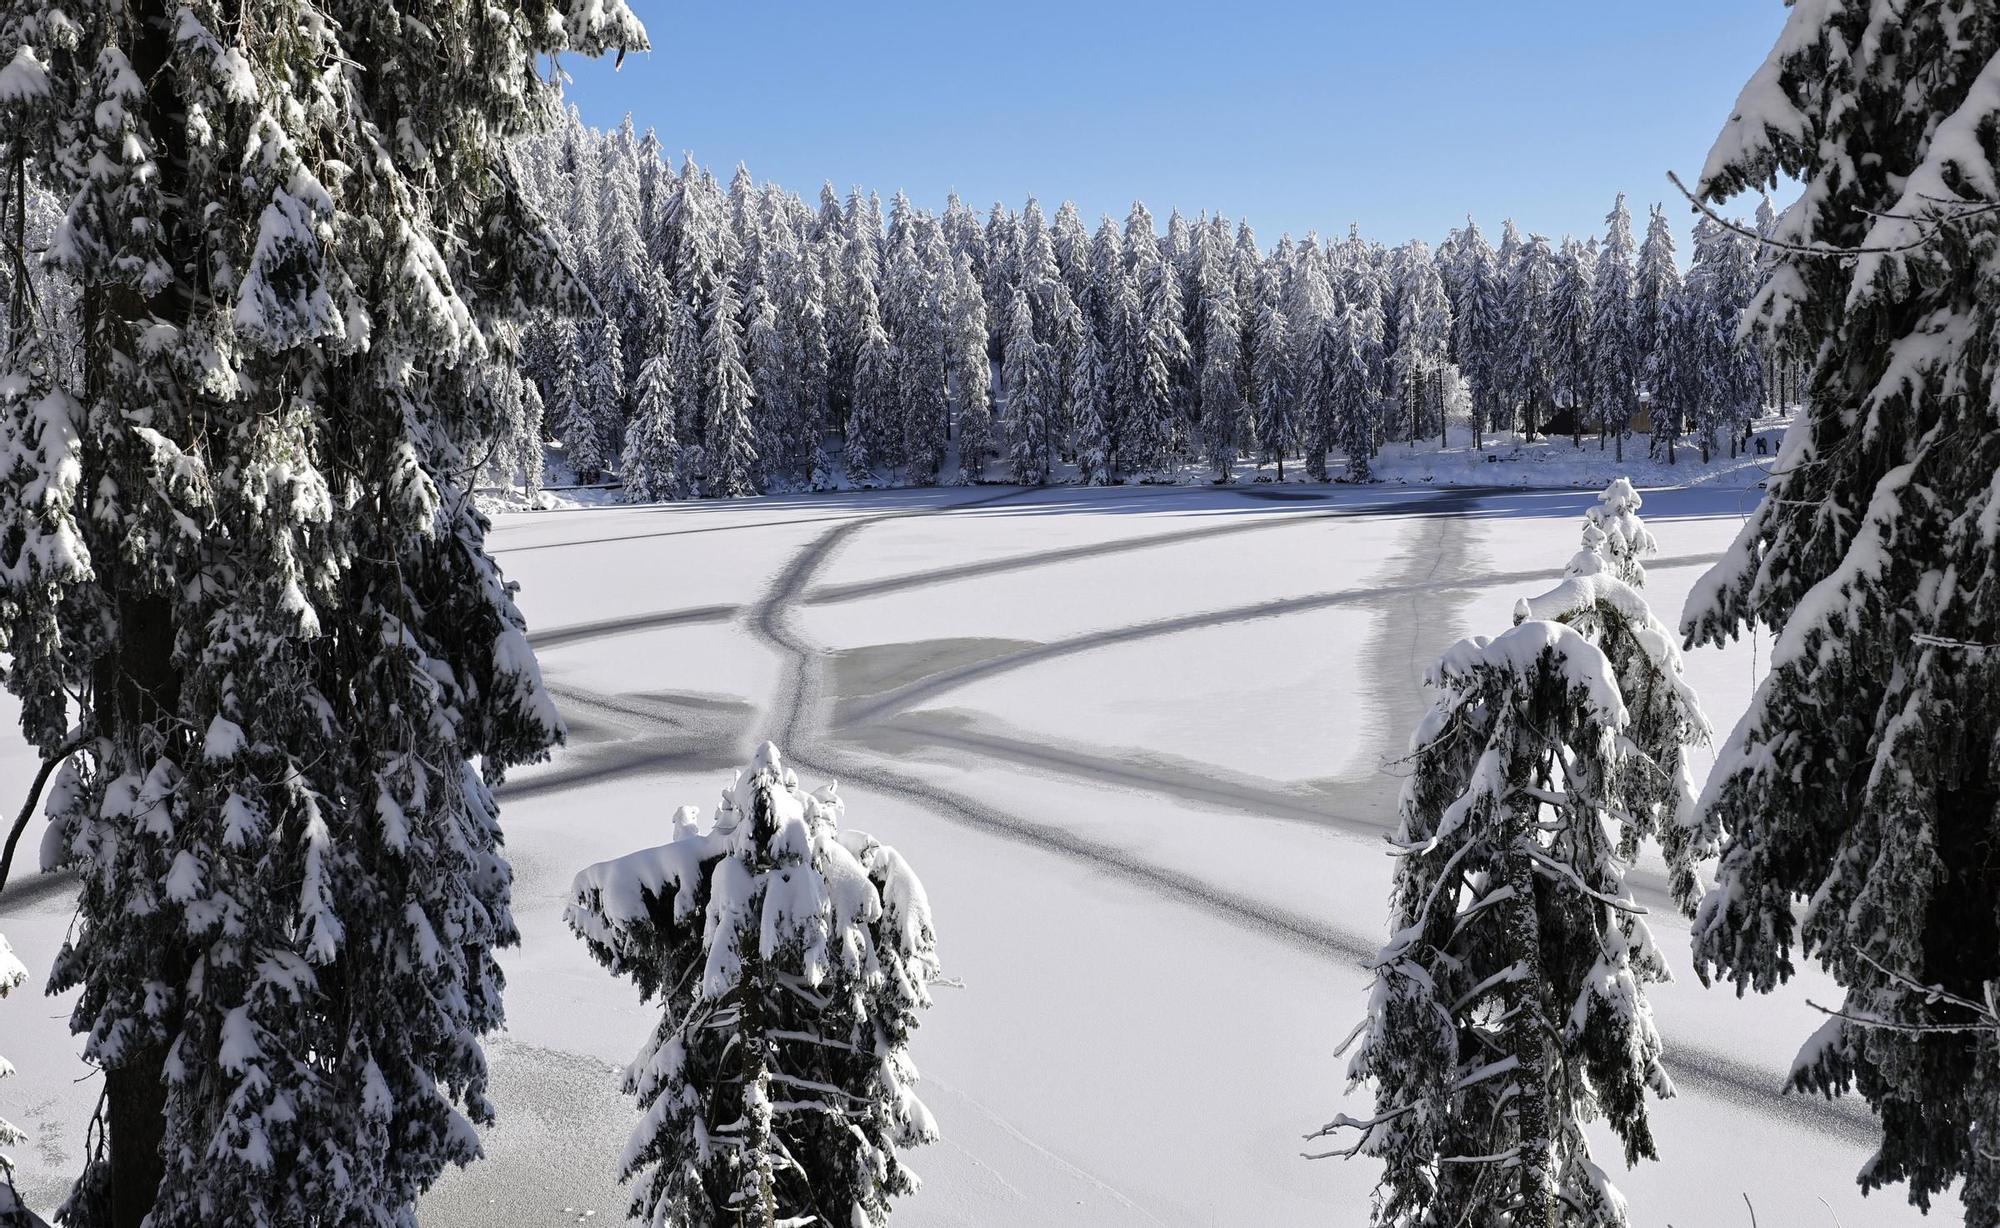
1835, 253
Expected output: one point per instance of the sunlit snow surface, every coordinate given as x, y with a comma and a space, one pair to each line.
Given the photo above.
1140, 745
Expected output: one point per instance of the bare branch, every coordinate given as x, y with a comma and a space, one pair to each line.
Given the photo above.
1933, 226
63, 752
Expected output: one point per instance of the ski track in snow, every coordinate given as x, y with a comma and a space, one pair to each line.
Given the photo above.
1014, 1132
927, 689
882, 725
796, 713
1416, 610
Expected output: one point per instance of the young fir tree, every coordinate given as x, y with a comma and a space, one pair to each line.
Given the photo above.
652, 464
1666, 721
1627, 540
1864, 778
790, 958
1022, 374
731, 451
1509, 1005
243, 566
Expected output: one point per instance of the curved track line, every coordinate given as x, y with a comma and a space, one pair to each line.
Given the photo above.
1446, 503
584, 633
925, 689
799, 706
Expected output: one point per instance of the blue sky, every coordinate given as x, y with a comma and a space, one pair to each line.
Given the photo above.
1297, 115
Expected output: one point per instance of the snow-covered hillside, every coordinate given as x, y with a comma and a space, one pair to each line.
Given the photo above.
1141, 745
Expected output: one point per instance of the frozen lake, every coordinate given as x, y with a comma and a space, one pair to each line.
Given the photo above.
1140, 744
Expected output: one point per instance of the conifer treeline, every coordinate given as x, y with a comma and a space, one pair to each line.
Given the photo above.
750, 341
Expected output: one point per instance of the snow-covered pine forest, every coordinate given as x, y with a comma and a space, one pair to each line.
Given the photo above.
752, 340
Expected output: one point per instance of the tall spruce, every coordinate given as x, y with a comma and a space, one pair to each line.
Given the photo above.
652, 463
731, 451
1657, 322
1864, 779
1476, 321
1274, 407
1614, 337
971, 371
1570, 310
874, 390
1423, 345
1531, 295
1023, 374
245, 581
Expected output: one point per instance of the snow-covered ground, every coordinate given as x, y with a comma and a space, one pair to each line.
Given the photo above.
1140, 744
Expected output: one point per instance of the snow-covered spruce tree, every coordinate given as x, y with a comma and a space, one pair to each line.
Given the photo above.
242, 561
602, 400
13, 975
923, 357
1727, 387
1324, 338
1158, 355
1665, 720
1627, 540
1348, 390
773, 358
1864, 777
687, 378
1423, 341
571, 414
1509, 1004
1475, 324
1221, 395
1614, 338
1655, 294
1074, 362
652, 461
1275, 408
1530, 303
971, 371
790, 959
874, 390
1022, 375
731, 450
1569, 332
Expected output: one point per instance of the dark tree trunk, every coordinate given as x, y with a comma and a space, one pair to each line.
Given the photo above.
137, 682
